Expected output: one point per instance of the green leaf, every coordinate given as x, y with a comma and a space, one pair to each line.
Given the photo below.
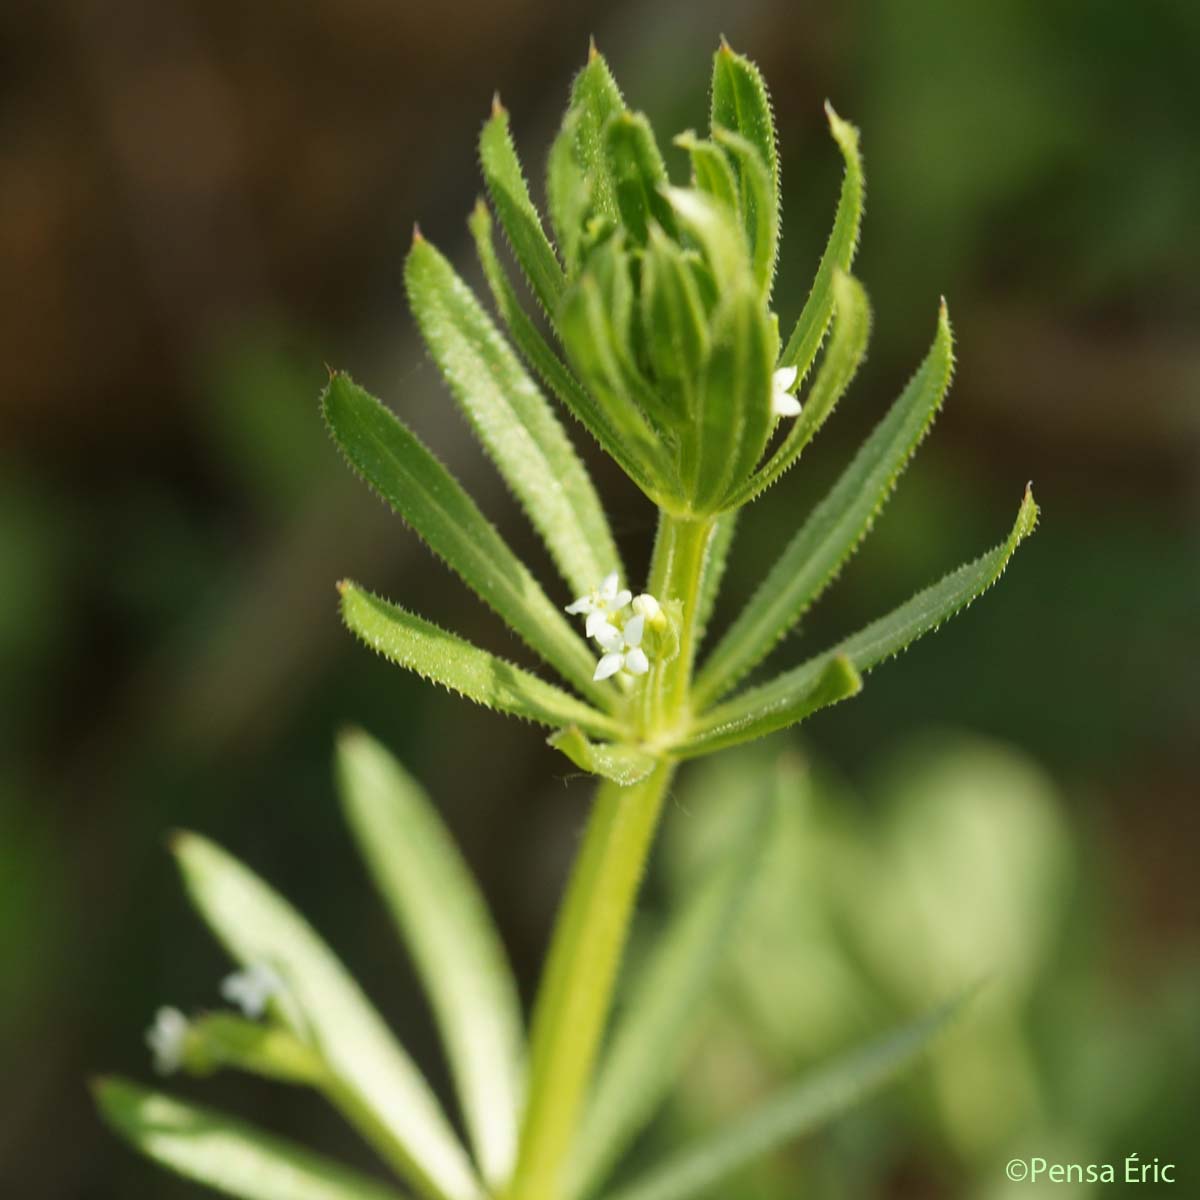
797, 1110
764, 709
740, 103
377, 1083
714, 229
639, 174
397, 465
760, 215
568, 193
512, 419
649, 1042
847, 347
445, 923
595, 100
674, 321
839, 523
630, 453
814, 318
790, 699
711, 170
522, 226
734, 403
224, 1154
441, 657
625, 765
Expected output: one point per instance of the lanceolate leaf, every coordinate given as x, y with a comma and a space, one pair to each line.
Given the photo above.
733, 417
759, 213
625, 765
764, 709
412, 642
407, 475
741, 103
814, 318
711, 170
630, 452
375, 1081
851, 331
797, 1110
512, 419
595, 100
522, 225
838, 524
650, 1040
446, 926
639, 175
225, 1154
751, 715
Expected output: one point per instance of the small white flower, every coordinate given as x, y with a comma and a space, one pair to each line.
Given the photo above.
646, 606
166, 1039
602, 604
622, 649
251, 988
783, 403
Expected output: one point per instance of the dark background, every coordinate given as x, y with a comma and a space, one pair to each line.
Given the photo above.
201, 204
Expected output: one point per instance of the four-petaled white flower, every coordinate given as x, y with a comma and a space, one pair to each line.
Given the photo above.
602, 604
783, 403
251, 988
622, 649
166, 1039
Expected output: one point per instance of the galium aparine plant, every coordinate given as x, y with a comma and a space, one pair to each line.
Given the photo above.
652, 328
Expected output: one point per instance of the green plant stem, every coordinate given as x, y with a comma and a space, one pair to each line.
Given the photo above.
576, 991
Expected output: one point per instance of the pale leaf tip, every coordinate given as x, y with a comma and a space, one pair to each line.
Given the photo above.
418, 237
343, 586
593, 53
498, 109
725, 48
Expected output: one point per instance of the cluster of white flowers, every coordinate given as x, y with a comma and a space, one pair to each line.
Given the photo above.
250, 990
618, 633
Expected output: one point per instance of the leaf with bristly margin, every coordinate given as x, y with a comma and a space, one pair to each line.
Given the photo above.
716, 559
624, 765
814, 318
759, 216
733, 408
629, 452
512, 420
323, 1006
225, 1154
518, 217
762, 710
595, 100
638, 174
740, 103
847, 347
568, 193
751, 716
650, 1040
441, 657
674, 321
445, 923
405, 473
797, 1110
711, 169
839, 523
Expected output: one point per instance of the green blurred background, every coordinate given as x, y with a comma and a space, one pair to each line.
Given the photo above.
201, 204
